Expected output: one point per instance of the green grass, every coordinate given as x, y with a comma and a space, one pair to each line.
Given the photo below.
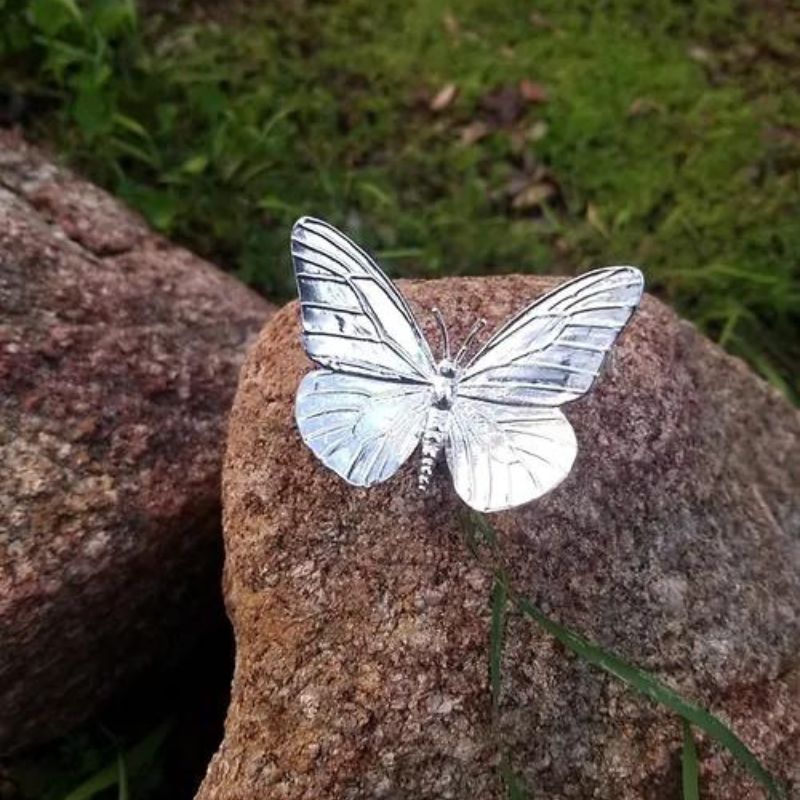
670, 138
690, 767
90, 763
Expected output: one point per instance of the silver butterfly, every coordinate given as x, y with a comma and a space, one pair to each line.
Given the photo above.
381, 392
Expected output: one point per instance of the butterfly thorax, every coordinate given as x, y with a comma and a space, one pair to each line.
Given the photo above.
445, 383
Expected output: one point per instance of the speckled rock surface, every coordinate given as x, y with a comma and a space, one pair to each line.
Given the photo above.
362, 620
119, 355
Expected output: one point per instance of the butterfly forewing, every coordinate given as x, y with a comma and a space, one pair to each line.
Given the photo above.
354, 320
553, 351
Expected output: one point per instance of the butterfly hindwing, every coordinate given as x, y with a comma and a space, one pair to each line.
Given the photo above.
553, 351
502, 456
362, 428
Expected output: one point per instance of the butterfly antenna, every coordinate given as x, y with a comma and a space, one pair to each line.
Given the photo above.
473, 332
443, 330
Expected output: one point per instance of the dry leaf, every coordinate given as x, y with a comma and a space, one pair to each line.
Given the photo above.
474, 132
537, 131
594, 219
699, 54
539, 20
533, 92
644, 105
443, 98
533, 196
450, 23
784, 134
518, 142
504, 105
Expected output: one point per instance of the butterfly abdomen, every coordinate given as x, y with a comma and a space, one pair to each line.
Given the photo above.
432, 442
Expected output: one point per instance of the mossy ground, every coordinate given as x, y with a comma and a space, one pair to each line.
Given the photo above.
457, 137
668, 135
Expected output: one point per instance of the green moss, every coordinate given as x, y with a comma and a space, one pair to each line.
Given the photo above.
671, 136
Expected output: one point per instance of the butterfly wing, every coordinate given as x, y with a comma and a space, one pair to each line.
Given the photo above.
363, 414
507, 442
362, 428
354, 320
503, 456
552, 352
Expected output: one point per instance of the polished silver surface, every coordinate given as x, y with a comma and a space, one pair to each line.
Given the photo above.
381, 393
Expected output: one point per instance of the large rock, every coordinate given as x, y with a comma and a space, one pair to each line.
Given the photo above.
362, 620
119, 355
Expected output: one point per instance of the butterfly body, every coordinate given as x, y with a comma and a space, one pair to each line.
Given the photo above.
433, 439
379, 392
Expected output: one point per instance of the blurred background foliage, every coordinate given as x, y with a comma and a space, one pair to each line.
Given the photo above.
460, 137
467, 136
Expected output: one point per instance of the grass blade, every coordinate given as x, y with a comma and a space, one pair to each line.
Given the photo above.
648, 685
122, 777
499, 602
689, 767
116, 773
515, 785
